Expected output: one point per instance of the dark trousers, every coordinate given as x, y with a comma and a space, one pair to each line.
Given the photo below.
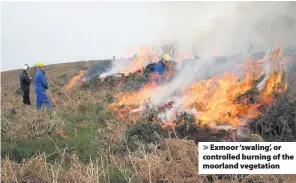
26, 96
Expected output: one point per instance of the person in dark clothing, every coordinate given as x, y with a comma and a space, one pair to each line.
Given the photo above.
25, 81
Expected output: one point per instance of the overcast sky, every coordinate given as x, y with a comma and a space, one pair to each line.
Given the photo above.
69, 31
57, 32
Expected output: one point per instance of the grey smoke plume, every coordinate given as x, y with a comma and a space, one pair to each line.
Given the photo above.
117, 67
98, 68
191, 70
223, 29
213, 28
198, 69
229, 31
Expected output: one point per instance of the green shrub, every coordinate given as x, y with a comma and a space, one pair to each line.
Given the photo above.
79, 65
279, 122
114, 175
26, 148
82, 127
82, 143
145, 133
109, 97
78, 130
96, 113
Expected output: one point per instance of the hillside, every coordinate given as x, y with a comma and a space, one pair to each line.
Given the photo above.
100, 130
12, 76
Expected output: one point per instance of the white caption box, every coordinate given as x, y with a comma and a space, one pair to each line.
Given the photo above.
246, 157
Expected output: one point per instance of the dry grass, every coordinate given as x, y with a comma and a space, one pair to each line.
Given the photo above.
38, 124
36, 169
177, 163
82, 113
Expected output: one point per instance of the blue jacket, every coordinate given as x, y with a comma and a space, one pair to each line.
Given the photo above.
159, 67
40, 81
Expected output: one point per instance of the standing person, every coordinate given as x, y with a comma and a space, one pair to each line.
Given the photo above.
41, 86
25, 82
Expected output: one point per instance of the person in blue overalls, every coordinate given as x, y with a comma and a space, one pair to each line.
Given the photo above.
160, 67
41, 86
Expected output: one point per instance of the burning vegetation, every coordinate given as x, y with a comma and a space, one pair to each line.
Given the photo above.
229, 100
76, 80
121, 125
225, 99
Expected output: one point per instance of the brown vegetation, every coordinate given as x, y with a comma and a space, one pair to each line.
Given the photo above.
81, 140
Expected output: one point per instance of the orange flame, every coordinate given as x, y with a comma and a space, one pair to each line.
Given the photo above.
137, 98
75, 79
216, 99
138, 62
275, 81
223, 99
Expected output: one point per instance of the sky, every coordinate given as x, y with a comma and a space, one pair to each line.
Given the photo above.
57, 32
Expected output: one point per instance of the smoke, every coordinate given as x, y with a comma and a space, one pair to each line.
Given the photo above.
117, 67
225, 28
224, 35
98, 68
228, 30
231, 31
201, 69
197, 69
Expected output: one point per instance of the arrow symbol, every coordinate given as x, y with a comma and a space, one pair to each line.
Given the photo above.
205, 147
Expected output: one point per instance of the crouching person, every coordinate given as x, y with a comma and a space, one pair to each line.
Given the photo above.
41, 86
159, 70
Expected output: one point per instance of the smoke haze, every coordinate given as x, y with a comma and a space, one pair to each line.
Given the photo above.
57, 32
213, 28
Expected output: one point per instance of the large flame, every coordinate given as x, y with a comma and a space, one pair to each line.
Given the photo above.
223, 99
136, 63
139, 62
137, 97
75, 80
216, 100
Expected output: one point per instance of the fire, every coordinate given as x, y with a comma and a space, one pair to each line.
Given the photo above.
137, 98
223, 99
216, 100
75, 79
275, 81
123, 110
138, 62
